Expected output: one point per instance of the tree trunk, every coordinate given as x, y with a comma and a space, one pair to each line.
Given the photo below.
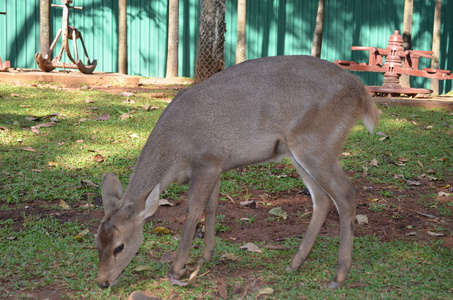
241, 46
173, 39
211, 39
44, 26
436, 45
122, 36
317, 36
407, 36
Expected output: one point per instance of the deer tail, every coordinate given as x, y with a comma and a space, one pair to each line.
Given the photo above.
371, 113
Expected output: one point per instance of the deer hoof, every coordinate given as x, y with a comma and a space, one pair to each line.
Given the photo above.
334, 285
181, 273
289, 270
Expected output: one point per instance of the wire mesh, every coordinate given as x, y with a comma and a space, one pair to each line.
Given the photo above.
211, 39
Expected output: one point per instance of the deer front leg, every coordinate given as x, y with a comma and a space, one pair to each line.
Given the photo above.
209, 238
201, 188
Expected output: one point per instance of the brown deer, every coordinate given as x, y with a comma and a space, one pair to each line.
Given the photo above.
251, 113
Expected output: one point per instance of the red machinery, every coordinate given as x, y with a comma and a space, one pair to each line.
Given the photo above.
397, 62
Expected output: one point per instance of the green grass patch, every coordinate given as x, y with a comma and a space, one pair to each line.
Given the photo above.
47, 253
51, 165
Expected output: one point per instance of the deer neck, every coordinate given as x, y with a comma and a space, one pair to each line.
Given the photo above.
152, 169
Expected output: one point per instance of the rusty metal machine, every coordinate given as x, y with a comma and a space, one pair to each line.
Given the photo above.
47, 64
397, 62
6, 64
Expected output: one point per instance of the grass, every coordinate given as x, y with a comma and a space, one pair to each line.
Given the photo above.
51, 166
387, 270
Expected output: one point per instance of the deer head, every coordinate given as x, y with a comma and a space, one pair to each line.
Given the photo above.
121, 232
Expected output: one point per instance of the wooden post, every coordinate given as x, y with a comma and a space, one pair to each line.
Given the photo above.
122, 36
407, 36
44, 26
436, 45
173, 39
241, 45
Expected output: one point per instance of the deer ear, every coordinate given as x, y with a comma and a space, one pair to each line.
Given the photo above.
151, 203
112, 191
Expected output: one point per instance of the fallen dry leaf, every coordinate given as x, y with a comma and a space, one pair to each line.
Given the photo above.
28, 148
148, 107
264, 196
229, 256
279, 212
126, 94
443, 194
142, 268
98, 158
35, 130
49, 124
413, 182
87, 205
362, 219
431, 233
402, 159
87, 182
103, 118
192, 277
82, 234
63, 204
52, 164
125, 116
374, 162
266, 291
251, 247
249, 203
164, 202
31, 118
161, 230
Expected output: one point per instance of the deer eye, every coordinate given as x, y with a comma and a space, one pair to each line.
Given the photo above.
118, 249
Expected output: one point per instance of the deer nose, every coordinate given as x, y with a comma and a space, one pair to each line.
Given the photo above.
104, 284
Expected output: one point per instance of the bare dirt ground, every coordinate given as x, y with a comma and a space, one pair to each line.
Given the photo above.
405, 215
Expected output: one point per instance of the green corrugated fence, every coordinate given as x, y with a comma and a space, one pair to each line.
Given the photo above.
273, 28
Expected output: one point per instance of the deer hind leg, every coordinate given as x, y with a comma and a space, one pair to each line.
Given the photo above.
329, 178
201, 187
321, 206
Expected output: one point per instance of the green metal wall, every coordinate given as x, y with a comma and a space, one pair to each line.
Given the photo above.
274, 27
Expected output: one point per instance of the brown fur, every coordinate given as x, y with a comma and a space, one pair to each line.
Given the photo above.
251, 113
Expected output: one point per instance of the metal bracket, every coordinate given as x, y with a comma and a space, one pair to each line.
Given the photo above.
69, 32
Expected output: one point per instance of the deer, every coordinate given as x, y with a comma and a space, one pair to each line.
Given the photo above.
255, 112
